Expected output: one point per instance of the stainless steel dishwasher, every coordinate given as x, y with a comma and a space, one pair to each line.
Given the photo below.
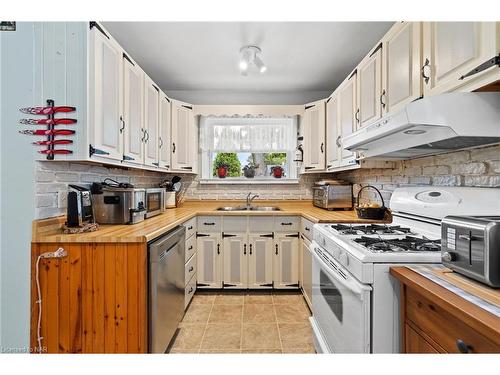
166, 288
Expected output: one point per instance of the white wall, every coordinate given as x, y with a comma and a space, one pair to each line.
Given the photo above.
17, 208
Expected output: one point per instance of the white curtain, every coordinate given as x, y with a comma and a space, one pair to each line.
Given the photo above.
248, 134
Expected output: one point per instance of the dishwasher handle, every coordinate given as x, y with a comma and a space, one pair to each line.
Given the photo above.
159, 248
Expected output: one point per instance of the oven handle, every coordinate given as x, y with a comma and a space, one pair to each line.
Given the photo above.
350, 283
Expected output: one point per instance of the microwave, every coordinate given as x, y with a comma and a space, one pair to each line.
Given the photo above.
155, 202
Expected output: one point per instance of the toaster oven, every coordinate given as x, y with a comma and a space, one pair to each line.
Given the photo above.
332, 197
470, 245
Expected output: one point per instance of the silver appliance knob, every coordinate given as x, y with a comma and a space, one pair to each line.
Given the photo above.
344, 259
447, 257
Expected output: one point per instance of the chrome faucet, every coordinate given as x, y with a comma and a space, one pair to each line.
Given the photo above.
250, 198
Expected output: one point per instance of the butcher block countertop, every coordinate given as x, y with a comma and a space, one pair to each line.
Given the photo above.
49, 230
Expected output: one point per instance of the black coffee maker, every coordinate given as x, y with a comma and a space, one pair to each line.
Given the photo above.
79, 211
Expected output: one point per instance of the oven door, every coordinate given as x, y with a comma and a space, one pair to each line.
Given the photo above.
341, 305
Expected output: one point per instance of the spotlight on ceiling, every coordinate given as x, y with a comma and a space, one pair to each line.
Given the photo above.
251, 55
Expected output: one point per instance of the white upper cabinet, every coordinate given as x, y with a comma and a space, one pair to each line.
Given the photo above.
347, 115
105, 96
332, 132
133, 113
453, 49
401, 50
314, 136
183, 145
164, 138
151, 121
369, 90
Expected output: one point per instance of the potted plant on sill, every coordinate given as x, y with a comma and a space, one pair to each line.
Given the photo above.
249, 170
277, 171
221, 169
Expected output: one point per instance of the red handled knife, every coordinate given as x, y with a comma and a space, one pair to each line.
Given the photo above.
54, 142
55, 152
48, 121
47, 110
48, 132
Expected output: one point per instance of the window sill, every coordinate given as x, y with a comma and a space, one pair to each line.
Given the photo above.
248, 181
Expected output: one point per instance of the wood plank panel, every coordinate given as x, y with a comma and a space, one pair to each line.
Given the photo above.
94, 300
75, 298
109, 298
87, 298
98, 298
121, 298
133, 257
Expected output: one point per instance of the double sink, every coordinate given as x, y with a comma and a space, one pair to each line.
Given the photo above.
248, 208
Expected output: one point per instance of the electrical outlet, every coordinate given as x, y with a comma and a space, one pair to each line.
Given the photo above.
62, 199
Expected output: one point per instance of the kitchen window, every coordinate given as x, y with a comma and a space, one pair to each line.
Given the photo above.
248, 149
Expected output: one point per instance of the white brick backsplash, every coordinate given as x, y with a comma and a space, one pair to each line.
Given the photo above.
486, 153
476, 167
438, 169
495, 166
469, 168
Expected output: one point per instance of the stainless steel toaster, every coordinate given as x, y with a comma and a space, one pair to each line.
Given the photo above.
333, 195
470, 245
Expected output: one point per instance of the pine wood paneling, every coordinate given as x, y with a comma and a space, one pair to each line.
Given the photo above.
93, 300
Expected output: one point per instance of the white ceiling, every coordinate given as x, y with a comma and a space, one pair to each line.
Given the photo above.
198, 61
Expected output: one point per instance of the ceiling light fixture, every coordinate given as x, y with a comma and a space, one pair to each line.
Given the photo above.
251, 55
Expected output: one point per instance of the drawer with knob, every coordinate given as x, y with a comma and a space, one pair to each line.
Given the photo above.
190, 226
190, 269
190, 248
209, 224
448, 331
287, 223
189, 291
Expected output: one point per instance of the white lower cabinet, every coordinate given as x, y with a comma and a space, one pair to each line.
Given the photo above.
235, 260
286, 261
260, 261
209, 260
190, 268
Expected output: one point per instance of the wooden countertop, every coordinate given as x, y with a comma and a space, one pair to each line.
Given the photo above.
471, 313
49, 230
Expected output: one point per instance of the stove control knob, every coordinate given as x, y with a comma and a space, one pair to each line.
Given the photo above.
448, 257
344, 259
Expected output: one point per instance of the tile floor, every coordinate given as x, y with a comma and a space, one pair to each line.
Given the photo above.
245, 322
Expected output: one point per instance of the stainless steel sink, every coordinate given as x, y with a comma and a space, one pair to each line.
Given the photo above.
232, 208
265, 208
251, 208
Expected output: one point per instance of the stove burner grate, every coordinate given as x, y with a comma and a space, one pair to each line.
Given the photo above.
408, 243
371, 229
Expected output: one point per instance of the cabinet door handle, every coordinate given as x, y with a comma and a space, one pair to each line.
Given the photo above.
190, 290
425, 76
190, 247
337, 141
146, 136
208, 223
286, 223
322, 147
307, 228
143, 132
190, 227
245, 249
191, 269
173, 148
356, 116
218, 249
123, 124
250, 249
463, 347
276, 246
160, 142
382, 97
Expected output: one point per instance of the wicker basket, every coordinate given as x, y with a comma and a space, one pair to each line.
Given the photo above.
371, 213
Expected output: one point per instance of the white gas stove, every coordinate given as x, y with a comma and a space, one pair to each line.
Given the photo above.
355, 300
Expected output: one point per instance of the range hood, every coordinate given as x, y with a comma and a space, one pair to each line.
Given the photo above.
429, 126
